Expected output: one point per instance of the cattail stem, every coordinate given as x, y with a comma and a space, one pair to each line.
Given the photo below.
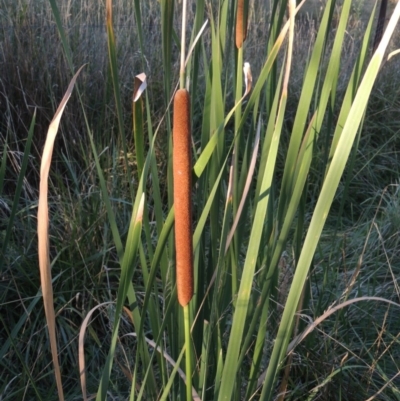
188, 353
182, 196
183, 41
241, 23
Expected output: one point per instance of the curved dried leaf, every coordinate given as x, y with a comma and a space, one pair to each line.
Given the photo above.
140, 85
81, 343
43, 236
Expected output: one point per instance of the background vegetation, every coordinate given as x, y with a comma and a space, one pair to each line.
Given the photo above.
95, 187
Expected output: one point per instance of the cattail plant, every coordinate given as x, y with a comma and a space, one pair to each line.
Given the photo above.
182, 196
222, 334
182, 171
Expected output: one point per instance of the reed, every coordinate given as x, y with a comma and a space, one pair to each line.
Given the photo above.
182, 196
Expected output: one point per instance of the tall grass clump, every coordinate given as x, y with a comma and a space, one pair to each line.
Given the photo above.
218, 219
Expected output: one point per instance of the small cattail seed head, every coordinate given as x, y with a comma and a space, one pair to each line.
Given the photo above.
241, 24
182, 171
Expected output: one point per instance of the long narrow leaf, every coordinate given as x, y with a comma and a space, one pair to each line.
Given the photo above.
43, 235
324, 202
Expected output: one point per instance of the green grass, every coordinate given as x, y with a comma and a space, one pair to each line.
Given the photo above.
296, 204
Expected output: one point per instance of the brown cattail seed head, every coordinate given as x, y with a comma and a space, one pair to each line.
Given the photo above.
182, 196
241, 24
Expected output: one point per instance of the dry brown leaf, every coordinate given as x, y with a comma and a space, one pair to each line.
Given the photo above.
81, 344
43, 235
140, 85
